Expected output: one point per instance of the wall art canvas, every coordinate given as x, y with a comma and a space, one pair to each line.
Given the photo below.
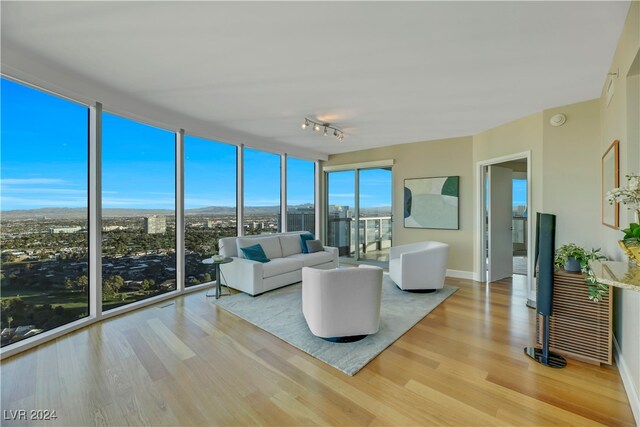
431, 202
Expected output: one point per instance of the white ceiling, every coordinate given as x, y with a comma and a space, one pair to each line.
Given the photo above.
249, 72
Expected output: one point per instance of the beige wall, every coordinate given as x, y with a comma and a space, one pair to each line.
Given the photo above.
423, 159
572, 178
520, 136
620, 120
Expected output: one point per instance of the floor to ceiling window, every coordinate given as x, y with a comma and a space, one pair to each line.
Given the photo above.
210, 203
45, 281
301, 214
44, 271
261, 192
138, 211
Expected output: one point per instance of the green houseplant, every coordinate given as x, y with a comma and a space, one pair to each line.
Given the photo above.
630, 243
574, 254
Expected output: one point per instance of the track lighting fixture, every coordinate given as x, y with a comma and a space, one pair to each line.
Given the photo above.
327, 126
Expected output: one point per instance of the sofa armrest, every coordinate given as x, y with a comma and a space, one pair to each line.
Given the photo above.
244, 275
334, 253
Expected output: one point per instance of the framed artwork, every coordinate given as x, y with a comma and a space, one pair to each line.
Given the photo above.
432, 202
610, 180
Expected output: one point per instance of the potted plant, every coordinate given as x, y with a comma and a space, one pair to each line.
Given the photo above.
630, 243
575, 258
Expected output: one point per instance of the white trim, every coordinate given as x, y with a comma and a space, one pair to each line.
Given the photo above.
240, 190
627, 380
95, 211
283, 193
362, 165
180, 231
480, 223
460, 274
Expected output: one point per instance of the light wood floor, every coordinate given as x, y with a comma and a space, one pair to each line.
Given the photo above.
191, 363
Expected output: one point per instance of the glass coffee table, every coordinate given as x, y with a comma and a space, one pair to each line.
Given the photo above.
216, 265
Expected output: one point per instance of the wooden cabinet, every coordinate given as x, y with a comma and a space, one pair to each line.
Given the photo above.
578, 328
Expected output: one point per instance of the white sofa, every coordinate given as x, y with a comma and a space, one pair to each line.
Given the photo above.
419, 266
342, 304
285, 252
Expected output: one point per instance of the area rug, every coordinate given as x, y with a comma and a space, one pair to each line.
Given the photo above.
279, 312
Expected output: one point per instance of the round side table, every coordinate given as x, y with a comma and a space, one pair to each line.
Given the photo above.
216, 266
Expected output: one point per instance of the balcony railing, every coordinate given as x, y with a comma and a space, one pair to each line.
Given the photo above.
374, 234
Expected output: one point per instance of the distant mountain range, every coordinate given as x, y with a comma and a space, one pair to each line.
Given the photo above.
118, 212
54, 213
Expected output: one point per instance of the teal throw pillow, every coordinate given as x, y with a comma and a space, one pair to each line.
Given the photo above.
255, 253
303, 240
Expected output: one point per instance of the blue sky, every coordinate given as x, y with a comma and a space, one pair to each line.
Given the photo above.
519, 192
44, 152
375, 188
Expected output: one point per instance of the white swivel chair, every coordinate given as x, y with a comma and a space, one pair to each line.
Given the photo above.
342, 305
419, 266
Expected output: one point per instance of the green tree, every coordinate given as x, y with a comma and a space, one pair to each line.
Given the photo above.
82, 283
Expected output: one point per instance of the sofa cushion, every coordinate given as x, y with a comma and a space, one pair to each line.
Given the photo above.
280, 266
254, 253
309, 260
314, 246
290, 244
303, 241
270, 245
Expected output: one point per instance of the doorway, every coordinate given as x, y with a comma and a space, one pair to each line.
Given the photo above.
505, 204
359, 214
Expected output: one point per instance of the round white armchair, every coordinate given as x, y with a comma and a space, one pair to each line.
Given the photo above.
343, 304
419, 266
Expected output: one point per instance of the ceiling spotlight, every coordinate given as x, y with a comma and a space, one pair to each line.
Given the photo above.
326, 126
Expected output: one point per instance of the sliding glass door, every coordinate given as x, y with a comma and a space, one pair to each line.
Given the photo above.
374, 209
359, 213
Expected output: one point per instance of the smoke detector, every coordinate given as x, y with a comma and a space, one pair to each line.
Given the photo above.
558, 120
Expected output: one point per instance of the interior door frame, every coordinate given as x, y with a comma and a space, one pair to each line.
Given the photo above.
481, 228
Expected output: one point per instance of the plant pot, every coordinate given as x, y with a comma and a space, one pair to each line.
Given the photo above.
572, 265
632, 249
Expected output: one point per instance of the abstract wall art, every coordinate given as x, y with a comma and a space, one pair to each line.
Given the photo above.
431, 202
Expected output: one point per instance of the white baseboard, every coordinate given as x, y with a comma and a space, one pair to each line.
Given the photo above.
459, 274
629, 387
